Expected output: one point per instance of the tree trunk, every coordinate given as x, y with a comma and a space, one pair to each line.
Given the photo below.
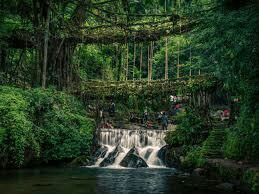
134, 60
45, 55
118, 68
190, 73
151, 59
34, 68
127, 61
2, 59
178, 61
18, 62
148, 53
140, 61
166, 58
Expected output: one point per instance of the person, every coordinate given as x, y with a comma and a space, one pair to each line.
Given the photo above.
158, 117
149, 125
145, 117
225, 115
112, 109
174, 111
109, 125
164, 121
101, 115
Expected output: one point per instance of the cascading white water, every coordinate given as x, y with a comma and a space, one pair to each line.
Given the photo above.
146, 142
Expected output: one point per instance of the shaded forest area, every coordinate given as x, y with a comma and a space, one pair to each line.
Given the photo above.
50, 48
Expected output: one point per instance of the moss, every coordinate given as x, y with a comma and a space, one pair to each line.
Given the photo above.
251, 178
79, 161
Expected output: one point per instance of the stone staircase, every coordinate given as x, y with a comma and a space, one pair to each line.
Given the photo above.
212, 148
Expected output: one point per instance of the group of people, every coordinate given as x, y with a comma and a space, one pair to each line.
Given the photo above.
161, 117
162, 120
105, 115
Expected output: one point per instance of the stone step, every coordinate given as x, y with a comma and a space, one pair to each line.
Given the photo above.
213, 146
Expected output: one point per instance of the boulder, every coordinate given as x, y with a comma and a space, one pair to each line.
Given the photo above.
79, 161
100, 153
133, 160
164, 154
172, 157
198, 172
225, 186
109, 160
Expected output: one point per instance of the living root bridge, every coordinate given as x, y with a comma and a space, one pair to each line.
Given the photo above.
107, 35
100, 89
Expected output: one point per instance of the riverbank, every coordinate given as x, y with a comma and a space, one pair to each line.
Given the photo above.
232, 174
239, 173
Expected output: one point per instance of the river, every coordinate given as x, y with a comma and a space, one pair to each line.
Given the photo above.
102, 180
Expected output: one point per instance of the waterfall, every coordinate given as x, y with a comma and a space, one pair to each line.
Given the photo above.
129, 147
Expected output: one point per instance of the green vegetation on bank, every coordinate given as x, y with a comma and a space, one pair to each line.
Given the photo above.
225, 45
41, 126
238, 142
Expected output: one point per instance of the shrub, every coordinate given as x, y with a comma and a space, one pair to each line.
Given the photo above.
16, 136
189, 131
252, 179
194, 158
242, 140
45, 125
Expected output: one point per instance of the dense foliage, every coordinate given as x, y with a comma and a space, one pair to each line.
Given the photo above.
41, 125
242, 138
190, 131
224, 45
53, 43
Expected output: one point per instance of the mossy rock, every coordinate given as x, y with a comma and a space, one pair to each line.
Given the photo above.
227, 173
79, 161
133, 160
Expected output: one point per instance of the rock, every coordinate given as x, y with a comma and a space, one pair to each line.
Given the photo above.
79, 161
225, 186
147, 154
100, 153
109, 160
133, 160
166, 156
162, 153
198, 172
